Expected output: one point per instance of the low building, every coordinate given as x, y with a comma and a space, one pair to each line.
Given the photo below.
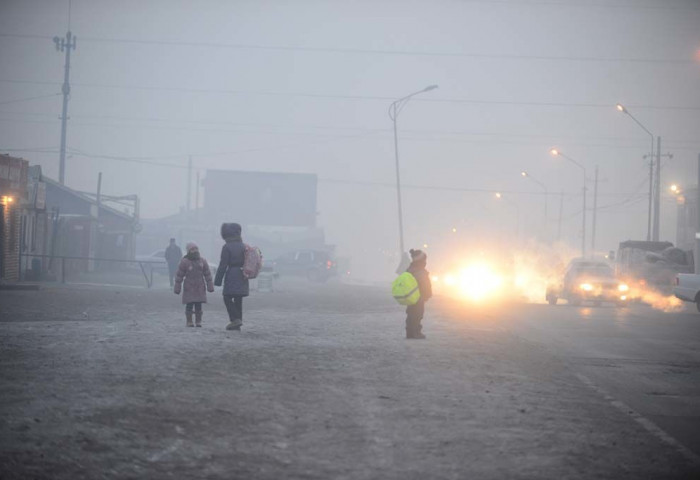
78, 224
13, 192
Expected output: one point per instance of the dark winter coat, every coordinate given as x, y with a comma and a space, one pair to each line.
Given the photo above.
196, 276
231, 268
173, 254
417, 269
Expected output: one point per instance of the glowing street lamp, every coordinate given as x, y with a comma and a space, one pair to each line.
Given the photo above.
557, 153
678, 193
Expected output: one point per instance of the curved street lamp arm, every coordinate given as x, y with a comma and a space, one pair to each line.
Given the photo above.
574, 162
640, 124
538, 183
397, 105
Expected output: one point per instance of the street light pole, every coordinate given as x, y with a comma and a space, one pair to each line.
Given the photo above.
556, 152
394, 110
621, 108
595, 210
524, 174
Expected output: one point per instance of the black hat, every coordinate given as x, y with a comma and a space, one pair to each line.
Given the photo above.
230, 230
417, 255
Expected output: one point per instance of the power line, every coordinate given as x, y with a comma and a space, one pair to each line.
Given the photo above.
150, 161
604, 5
354, 97
364, 130
360, 51
333, 138
27, 99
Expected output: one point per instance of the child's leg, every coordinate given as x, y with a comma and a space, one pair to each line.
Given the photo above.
410, 315
232, 310
420, 311
238, 306
228, 301
414, 315
188, 314
198, 313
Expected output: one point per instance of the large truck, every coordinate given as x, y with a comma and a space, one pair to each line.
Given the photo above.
655, 264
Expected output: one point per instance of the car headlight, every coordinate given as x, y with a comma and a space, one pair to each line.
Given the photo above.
586, 287
623, 287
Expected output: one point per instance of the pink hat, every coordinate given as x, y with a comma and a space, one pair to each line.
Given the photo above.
191, 245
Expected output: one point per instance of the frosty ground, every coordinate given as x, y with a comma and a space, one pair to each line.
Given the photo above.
107, 382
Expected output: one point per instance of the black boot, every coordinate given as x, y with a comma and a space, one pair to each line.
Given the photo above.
418, 333
235, 324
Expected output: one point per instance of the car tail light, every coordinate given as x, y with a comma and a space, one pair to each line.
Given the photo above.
329, 264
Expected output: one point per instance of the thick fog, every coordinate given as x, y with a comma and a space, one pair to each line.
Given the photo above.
306, 86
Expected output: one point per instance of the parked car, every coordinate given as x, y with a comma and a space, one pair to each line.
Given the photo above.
588, 280
687, 288
315, 265
155, 261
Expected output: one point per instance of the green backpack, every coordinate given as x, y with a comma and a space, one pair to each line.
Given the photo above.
405, 289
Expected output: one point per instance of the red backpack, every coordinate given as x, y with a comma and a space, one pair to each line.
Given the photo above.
252, 261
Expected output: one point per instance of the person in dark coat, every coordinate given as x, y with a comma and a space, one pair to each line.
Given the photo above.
230, 271
173, 255
414, 313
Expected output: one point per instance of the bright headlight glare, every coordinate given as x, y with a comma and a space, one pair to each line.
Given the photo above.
587, 287
623, 288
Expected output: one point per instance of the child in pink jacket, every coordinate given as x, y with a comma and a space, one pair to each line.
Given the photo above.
194, 273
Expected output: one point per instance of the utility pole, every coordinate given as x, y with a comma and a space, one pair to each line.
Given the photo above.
64, 45
583, 235
656, 191
95, 229
189, 182
651, 188
196, 199
98, 199
595, 210
657, 197
697, 233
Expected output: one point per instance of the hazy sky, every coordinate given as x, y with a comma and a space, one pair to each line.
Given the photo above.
304, 86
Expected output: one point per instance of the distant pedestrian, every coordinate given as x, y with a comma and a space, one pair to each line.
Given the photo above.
194, 273
231, 272
414, 313
173, 254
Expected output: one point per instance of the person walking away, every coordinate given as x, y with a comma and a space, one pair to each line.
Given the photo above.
230, 271
173, 255
414, 313
194, 279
